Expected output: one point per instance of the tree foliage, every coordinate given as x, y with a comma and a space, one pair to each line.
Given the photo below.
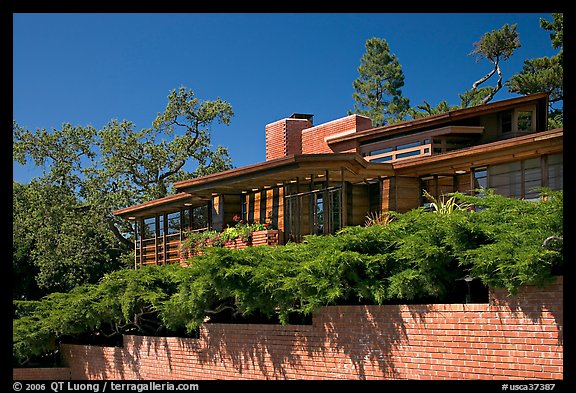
377, 91
545, 74
414, 256
495, 46
65, 229
57, 242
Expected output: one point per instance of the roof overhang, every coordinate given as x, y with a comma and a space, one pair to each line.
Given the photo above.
444, 118
349, 167
522, 147
162, 205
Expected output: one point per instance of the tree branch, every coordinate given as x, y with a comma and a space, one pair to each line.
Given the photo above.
496, 89
117, 233
485, 78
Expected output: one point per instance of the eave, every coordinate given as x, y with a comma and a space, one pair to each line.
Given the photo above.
349, 167
443, 118
167, 204
522, 147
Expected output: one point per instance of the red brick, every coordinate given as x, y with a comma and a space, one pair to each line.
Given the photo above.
451, 341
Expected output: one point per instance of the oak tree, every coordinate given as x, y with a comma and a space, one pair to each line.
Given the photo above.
92, 172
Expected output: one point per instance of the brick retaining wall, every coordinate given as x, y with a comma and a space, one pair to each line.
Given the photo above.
518, 337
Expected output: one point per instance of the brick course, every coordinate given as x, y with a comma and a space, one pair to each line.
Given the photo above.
314, 138
297, 136
39, 374
518, 337
284, 137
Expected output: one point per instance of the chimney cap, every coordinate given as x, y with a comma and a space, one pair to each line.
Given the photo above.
305, 116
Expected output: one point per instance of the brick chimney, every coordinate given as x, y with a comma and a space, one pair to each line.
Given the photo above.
284, 137
315, 139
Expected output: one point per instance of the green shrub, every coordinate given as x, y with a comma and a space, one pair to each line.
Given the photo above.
415, 256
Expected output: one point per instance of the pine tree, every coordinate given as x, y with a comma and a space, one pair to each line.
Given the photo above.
378, 92
495, 46
545, 74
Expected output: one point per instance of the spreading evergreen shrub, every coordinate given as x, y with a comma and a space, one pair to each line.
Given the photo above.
414, 256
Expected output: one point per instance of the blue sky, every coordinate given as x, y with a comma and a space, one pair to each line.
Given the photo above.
90, 68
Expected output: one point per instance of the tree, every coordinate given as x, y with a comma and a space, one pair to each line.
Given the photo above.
426, 109
545, 74
57, 243
95, 172
378, 92
495, 46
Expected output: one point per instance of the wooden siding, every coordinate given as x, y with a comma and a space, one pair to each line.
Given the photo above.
232, 206
400, 193
360, 204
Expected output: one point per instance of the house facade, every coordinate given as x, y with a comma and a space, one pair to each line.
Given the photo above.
319, 178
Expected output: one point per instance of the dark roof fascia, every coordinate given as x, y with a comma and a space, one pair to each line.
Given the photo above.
279, 164
127, 211
447, 117
476, 152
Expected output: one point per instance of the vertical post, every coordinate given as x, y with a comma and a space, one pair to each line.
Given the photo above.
141, 222
156, 232
297, 212
312, 208
328, 206
344, 198
136, 244
164, 239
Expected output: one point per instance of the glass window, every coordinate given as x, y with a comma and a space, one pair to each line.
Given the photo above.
522, 179
199, 217
336, 210
408, 154
408, 145
532, 178
480, 178
161, 225
524, 121
382, 159
319, 215
555, 171
506, 179
380, 151
149, 228
173, 223
506, 121
244, 213
186, 219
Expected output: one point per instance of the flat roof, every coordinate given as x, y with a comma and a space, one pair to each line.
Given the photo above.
349, 167
447, 117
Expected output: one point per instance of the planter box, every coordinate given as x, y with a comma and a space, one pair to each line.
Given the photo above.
238, 244
268, 237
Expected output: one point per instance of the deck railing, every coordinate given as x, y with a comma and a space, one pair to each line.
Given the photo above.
166, 248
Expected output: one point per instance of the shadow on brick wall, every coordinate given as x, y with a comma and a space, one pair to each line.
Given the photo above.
542, 305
